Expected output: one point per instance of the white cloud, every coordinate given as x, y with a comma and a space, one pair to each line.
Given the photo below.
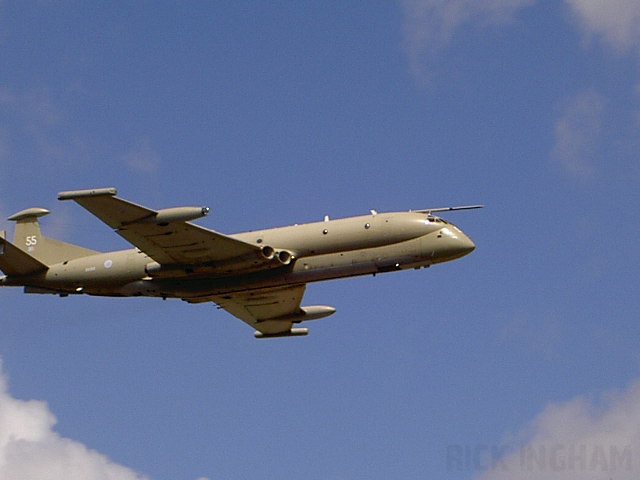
541, 336
35, 113
41, 109
577, 440
577, 132
6, 96
30, 448
617, 22
142, 157
4, 146
4, 162
430, 24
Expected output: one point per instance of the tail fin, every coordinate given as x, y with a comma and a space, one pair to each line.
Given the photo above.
30, 240
14, 261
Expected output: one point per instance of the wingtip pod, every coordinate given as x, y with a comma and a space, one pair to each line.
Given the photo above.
294, 332
92, 192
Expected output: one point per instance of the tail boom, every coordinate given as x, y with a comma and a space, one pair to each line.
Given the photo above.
29, 239
16, 263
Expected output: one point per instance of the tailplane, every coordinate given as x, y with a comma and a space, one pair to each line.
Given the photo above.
15, 262
45, 250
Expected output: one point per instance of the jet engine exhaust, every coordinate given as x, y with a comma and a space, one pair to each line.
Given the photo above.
268, 252
284, 257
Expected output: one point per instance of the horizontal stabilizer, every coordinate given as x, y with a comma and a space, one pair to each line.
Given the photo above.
15, 262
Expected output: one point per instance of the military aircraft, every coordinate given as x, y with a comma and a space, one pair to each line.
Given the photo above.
258, 276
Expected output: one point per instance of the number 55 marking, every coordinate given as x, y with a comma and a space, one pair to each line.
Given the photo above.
31, 241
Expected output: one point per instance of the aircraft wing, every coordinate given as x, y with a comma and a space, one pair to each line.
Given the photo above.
271, 311
165, 235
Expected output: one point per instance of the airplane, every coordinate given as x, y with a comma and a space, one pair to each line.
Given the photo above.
259, 276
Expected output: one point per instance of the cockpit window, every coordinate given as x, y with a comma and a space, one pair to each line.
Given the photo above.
432, 219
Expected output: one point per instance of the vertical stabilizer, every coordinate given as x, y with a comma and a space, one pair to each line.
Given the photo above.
15, 262
28, 235
29, 239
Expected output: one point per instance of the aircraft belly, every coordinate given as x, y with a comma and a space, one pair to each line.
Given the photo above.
305, 270
123, 273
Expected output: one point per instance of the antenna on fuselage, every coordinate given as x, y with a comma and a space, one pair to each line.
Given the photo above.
428, 211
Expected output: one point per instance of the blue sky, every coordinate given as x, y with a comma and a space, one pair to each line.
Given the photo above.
275, 113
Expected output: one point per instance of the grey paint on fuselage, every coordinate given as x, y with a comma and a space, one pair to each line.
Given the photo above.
351, 246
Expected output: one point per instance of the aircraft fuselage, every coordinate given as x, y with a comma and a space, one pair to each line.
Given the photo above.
319, 251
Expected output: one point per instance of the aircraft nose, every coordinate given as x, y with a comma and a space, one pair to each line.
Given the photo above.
465, 244
453, 243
